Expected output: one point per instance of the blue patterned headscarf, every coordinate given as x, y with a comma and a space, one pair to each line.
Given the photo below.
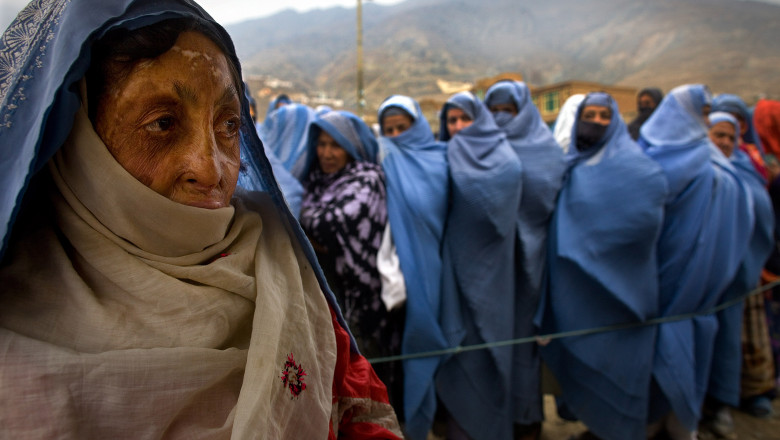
415, 166
736, 106
604, 271
39, 94
706, 229
349, 131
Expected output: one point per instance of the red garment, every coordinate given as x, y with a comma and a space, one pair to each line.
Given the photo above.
766, 121
755, 158
359, 397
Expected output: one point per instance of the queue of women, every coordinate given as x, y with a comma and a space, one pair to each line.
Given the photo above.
503, 234
173, 270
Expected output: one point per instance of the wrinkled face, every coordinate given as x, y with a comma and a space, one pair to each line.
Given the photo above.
597, 114
457, 120
332, 157
510, 108
393, 125
173, 123
723, 135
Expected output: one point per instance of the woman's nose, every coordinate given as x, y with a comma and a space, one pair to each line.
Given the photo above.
203, 162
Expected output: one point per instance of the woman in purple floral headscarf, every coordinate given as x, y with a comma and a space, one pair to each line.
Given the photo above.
344, 213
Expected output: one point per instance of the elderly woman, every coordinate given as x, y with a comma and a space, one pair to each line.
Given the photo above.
724, 382
749, 141
543, 170
415, 165
171, 304
603, 271
703, 240
479, 299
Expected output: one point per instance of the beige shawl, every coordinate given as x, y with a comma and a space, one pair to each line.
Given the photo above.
126, 315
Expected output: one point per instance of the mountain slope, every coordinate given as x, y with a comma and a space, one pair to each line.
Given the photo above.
729, 45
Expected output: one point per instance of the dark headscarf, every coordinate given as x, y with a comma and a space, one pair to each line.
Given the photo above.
644, 112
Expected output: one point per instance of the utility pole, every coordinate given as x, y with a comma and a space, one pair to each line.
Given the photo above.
361, 101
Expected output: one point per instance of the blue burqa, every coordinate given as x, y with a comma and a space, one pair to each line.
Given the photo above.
707, 224
478, 272
543, 170
724, 382
286, 132
249, 177
415, 166
603, 271
39, 96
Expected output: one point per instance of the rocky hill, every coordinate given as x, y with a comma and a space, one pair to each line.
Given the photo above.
730, 45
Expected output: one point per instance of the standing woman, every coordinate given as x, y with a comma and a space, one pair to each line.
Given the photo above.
344, 213
603, 271
543, 170
707, 224
415, 165
749, 141
478, 277
142, 295
730, 350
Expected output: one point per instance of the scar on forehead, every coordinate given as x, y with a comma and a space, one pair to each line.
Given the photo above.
192, 54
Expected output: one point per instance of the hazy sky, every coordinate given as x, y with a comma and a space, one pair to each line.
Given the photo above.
224, 11
229, 11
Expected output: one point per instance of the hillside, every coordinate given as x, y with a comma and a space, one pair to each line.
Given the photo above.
729, 45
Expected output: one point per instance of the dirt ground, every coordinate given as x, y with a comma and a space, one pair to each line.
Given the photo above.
747, 427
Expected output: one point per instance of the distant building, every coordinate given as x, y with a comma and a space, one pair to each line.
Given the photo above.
549, 99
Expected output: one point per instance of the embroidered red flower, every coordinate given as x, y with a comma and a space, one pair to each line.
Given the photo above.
292, 377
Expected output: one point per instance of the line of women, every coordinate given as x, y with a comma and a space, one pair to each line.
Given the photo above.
637, 230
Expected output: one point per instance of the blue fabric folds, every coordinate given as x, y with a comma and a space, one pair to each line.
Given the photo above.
478, 275
415, 166
708, 219
724, 381
249, 178
543, 170
603, 271
39, 95
286, 132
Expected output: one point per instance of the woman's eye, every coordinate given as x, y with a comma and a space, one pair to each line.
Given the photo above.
230, 126
161, 124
